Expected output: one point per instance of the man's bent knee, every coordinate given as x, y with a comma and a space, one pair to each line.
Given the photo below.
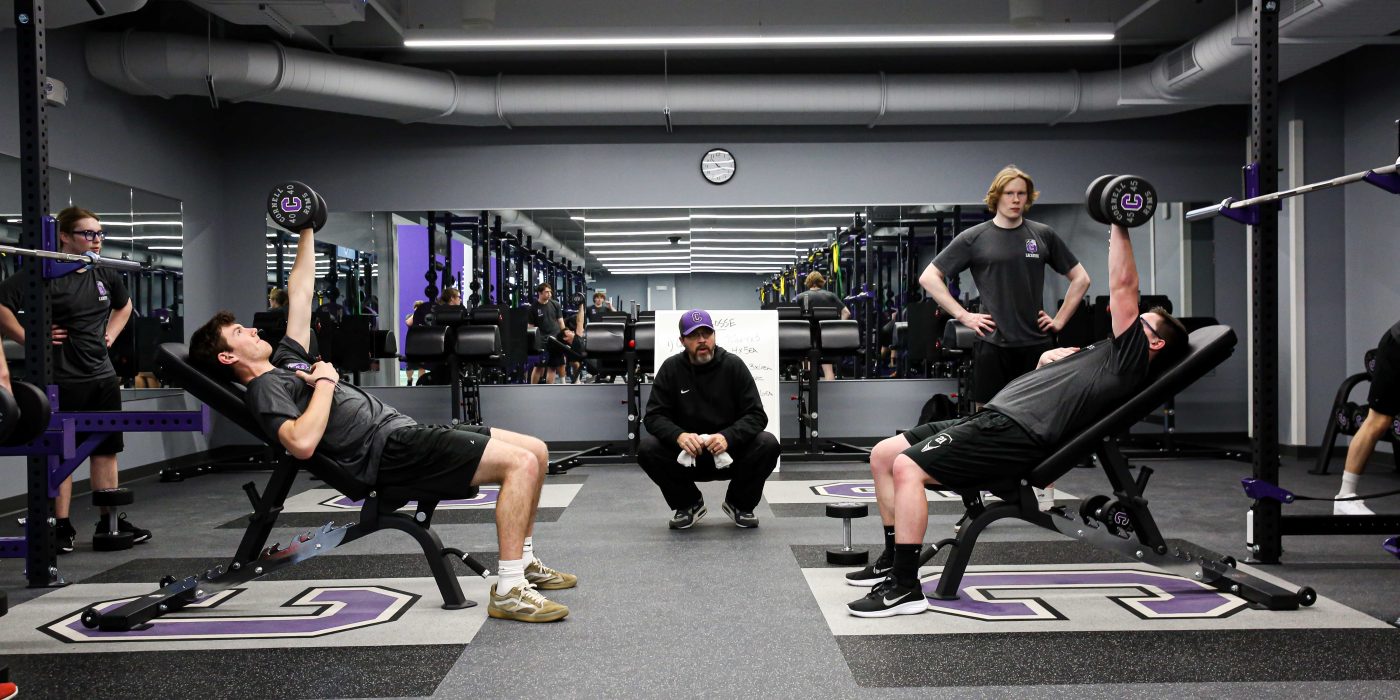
906, 471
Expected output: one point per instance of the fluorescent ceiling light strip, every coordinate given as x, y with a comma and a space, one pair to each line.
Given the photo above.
641, 220
634, 234
756, 41
708, 215
666, 265
165, 247
143, 223
736, 258
789, 249
799, 229
647, 272
747, 270
635, 243
794, 241
676, 258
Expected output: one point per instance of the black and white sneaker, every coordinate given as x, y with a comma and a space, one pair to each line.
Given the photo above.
873, 574
65, 535
741, 518
138, 535
888, 599
686, 517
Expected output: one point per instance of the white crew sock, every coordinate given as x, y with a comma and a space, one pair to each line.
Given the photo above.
511, 573
530, 551
1349, 484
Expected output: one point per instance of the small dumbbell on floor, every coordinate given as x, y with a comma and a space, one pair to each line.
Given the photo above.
113, 539
847, 555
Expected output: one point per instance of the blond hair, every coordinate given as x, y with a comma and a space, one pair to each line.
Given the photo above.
1004, 178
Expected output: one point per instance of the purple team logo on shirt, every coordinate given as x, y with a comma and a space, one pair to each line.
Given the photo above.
299, 366
1031, 247
101, 290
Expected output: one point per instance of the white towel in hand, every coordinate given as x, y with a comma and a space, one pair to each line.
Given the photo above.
722, 459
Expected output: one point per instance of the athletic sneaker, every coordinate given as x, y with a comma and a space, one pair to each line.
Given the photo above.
873, 574
1350, 507
741, 518
138, 535
547, 579
525, 604
888, 599
9, 690
686, 517
66, 535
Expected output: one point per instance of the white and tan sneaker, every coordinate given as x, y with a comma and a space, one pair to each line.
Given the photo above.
547, 579
525, 604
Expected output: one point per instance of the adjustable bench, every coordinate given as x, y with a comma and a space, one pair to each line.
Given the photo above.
252, 559
815, 335
1122, 522
612, 345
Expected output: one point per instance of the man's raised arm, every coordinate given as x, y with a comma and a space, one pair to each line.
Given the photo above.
1122, 280
301, 286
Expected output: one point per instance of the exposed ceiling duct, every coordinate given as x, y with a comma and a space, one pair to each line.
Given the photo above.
1212, 69
512, 219
67, 14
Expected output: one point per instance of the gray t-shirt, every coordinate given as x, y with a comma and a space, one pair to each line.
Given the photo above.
81, 303
546, 317
822, 298
1064, 397
1008, 266
358, 425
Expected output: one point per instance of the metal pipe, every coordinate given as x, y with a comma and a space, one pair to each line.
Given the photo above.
88, 259
1215, 209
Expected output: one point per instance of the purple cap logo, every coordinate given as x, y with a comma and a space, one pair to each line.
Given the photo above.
695, 318
1031, 247
1131, 202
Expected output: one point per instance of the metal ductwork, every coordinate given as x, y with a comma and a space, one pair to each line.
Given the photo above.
515, 219
1212, 69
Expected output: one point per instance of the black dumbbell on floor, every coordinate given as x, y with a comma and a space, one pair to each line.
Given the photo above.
847, 555
113, 539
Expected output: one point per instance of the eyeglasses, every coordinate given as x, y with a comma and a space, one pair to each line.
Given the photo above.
96, 235
1150, 327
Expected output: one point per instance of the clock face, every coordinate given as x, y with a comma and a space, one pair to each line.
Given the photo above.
718, 166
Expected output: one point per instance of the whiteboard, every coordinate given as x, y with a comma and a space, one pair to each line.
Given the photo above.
752, 335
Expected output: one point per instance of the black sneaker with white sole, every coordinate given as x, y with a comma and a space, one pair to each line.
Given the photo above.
685, 517
65, 535
741, 518
138, 535
888, 599
874, 573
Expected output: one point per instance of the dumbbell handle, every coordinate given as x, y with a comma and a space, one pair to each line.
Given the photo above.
847, 523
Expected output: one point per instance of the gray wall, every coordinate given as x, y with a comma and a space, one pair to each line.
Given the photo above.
1372, 287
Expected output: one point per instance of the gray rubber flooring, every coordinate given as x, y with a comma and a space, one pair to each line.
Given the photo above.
718, 611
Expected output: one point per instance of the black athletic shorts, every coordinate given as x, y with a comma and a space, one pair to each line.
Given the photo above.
96, 395
979, 451
1385, 380
553, 354
435, 460
994, 367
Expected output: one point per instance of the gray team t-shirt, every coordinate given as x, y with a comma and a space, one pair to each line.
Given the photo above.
546, 317
82, 303
358, 425
1008, 266
1063, 397
822, 298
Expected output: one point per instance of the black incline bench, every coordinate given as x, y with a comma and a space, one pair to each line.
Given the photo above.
253, 559
1120, 523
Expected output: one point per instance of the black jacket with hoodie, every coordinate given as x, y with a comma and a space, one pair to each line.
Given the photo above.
719, 396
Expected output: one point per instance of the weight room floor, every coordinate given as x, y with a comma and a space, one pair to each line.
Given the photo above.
720, 611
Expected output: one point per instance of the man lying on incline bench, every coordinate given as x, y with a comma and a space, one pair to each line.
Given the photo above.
305, 406
1021, 426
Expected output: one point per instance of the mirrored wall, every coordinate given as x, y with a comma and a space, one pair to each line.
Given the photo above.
139, 225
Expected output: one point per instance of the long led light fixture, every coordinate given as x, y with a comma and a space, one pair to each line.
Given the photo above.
635, 234
662, 42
